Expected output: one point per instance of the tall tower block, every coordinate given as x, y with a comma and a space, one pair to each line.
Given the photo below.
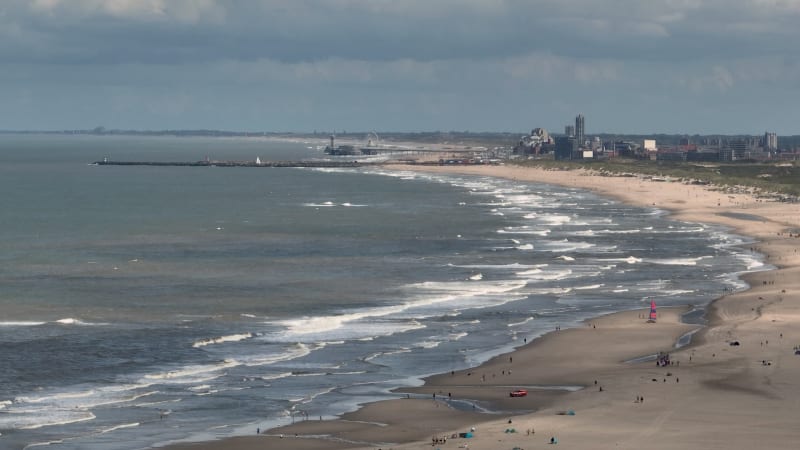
580, 130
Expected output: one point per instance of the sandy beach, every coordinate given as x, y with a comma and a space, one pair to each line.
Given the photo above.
734, 386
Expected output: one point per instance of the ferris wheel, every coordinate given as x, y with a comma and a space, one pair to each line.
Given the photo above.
373, 139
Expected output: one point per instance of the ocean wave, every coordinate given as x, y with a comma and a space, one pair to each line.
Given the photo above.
564, 246
516, 324
276, 376
83, 397
70, 321
428, 294
222, 339
629, 260
21, 323
457, 336
118, 427
387, 353
499, 266
607, 231
525, 247
524, 231
191, 373
590, 287
32, 420
538, 274
751, 262
556, 219
294, 351
320, 205
428, 344
678, 261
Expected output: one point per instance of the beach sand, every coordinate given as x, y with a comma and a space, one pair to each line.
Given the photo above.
714, 395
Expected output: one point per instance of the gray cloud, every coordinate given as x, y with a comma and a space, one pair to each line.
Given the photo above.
299, 64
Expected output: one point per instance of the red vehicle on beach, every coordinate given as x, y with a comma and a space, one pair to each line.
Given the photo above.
518, 393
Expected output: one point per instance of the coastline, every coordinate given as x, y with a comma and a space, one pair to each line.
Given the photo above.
711, 401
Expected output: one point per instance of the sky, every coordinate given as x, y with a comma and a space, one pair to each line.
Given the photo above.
629, 66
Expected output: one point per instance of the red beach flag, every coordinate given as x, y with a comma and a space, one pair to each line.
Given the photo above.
653, 310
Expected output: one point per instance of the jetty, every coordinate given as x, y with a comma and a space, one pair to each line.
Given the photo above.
311, 164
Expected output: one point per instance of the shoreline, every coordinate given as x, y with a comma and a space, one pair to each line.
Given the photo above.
623, 337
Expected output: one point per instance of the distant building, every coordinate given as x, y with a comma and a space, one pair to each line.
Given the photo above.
734, 151
580, 130
569, 130
565, 147
770, 141
649, 145
536, 143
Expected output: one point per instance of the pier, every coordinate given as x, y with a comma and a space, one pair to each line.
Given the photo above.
311, 164
301, 164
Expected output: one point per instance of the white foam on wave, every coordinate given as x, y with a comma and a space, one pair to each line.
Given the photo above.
525, 247
202, 387
524, 231
81, 397
564, 246
118, 427
65, 407
752, 263
21, 323
678, 261
629, 260
673, 292
70, 321
191, 373
387, 353
538, 274
327, 204
516, 324
428, 344
373, 320
590, 287
476, 277
607, 231
556, 219
34, 420
276, 376
498, 266
294, 351
222, 339
566, 258
457, 336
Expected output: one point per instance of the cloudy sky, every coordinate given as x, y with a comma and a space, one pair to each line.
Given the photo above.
630, 66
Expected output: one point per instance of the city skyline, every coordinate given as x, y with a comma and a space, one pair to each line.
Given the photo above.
674, 67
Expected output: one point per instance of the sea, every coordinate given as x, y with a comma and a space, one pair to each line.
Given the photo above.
142, 306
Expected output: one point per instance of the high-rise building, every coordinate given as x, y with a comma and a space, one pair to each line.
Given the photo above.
565, 148
770, 141
580, 131
569, 130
